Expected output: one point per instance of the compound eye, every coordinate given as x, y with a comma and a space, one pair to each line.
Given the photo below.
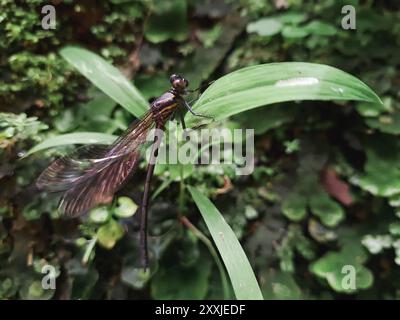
177, 83
173, 77
186, 83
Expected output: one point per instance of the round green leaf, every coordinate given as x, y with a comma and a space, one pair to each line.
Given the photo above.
336, 268
265, 27
281, 286
125, 207
33, 290
329, 211
294, 32
135, 277
109, 234
389, 123
294, 206
99, 214
321, 28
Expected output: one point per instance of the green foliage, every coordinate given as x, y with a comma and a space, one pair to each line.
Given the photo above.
73, 138
280, 286
307, 194
243, 280
14, 128
261, 85
109, 234
125, 208
383, 155
107, 78
332, 267
28, 77
167, 21
180, 282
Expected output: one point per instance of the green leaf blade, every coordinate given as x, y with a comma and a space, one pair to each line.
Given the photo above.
107, 78
261, 85
73, 138
239, 269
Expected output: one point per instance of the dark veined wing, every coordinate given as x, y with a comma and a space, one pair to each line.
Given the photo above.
92, 174
68, 170
99, 187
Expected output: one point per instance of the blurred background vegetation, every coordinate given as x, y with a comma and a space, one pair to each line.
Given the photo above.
325, 191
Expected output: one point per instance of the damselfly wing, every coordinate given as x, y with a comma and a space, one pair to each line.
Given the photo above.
91, 175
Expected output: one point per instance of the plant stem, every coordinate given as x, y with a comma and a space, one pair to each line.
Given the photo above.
181, 201
89, 249
199, 234
209, 245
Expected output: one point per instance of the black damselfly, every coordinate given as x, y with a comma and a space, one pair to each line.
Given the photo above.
91, 174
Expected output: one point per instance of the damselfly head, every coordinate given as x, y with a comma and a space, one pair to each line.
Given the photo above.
178, 82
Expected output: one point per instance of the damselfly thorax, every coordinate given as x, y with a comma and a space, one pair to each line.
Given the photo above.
163, 107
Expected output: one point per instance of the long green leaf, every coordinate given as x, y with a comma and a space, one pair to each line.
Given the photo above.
260, 85
73, 138
243, 280
107, 78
